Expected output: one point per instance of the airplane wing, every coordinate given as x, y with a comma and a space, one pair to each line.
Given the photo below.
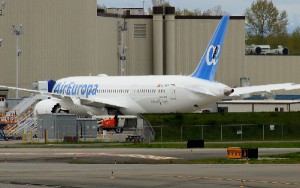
26, 90
197, 90
101, 102
93, 102
264, 88
292, 87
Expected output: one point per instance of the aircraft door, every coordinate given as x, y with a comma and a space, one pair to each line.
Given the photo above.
172, 93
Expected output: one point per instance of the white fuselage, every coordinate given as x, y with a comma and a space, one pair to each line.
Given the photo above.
142, 94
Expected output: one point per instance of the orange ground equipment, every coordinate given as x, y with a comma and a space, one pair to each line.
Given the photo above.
234, 153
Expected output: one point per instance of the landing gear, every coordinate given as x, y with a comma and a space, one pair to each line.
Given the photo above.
118, 130
113, 111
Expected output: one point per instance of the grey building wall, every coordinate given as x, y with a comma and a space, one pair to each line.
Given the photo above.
58, 40
106, 46
272, 69
193, 37
139, 49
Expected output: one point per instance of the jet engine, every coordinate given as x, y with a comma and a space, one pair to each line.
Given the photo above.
279, 51
228, 91
47, 106
54, 105
253, 50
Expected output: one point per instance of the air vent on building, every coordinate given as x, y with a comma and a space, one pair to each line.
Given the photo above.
139, 30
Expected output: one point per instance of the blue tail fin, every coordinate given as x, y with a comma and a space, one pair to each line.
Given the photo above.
208, 65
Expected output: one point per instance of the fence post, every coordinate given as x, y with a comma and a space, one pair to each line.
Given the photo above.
46, 135
90, 134
281, 131
78, 135
181, 133
263, 132
31, 136
202, 131
221, 133
161, 134
241, 132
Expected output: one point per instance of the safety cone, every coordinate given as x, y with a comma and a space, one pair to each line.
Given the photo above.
112, 174
242, 183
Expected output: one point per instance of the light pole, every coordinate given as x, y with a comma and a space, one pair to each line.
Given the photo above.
123, 48
2, 6
143, 7
17, 32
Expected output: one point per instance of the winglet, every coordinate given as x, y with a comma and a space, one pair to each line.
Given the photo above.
208, 65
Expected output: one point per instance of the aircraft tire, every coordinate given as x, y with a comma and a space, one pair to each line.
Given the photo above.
118, 130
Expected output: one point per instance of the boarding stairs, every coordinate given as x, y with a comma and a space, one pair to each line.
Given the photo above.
26, 103
24, 120
27, 123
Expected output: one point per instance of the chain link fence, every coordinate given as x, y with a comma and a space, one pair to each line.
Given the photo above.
225, 133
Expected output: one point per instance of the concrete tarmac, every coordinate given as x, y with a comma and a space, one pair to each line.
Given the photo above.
65, 167
144, 175
121, 155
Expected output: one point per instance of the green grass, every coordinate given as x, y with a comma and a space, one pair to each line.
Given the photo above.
255, 126
290, 158
289, 144
225, 118
174, 145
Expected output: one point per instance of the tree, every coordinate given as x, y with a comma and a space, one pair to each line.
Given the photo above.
294, 41
215, 11
263, 20
158, 3
187, 12
101, 6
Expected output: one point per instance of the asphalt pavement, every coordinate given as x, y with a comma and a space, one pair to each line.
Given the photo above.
99, 167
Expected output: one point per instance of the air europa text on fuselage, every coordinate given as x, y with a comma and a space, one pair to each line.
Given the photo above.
73, 88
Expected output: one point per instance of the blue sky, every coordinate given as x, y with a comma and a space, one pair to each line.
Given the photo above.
234, 7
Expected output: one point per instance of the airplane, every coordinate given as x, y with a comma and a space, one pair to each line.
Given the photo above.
131, 95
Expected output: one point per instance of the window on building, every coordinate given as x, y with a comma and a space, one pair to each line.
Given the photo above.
140, 30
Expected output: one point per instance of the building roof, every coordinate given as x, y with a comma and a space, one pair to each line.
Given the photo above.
277, 97
269, 101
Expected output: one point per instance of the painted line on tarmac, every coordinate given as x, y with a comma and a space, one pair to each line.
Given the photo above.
78, 154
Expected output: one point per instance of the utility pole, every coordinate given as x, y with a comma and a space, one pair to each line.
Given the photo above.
17, 32
2, 6
143, 7
123, 48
